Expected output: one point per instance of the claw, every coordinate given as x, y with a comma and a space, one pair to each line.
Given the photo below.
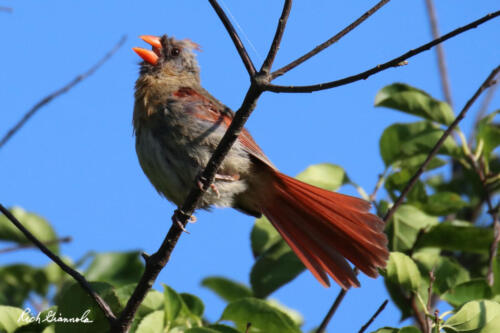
227, 177
216, 191
192, 219
179, 223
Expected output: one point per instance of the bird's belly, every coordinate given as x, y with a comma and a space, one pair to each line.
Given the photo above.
173, 170
171, 173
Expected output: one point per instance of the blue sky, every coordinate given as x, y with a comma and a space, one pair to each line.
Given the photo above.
75, 164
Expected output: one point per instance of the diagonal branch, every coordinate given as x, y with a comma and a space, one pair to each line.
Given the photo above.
440, 142
234, 36
392, 63
331, 312
77, 276
375, 315
329, 42
443, 72
268, 62
60, 91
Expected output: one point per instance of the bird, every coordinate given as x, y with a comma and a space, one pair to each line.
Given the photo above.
178, 125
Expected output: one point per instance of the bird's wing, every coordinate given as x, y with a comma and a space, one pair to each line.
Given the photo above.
203, 106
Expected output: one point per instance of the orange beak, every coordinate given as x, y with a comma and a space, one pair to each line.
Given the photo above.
150, 56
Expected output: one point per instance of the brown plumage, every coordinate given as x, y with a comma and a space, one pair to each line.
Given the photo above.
178, 125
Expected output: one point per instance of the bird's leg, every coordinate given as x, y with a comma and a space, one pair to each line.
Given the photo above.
230, 178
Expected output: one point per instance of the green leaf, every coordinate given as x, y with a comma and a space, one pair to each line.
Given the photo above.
475, 317
402, 141
116, 268
194, 304
457, 236
263, 236
227, 289
403, 271
274, 268
325, 175
152, 323
76, 303
153, 301
173, 304
444, 203
406, 224
18, 281
296, 316
399, 297
489, 133
402, 97
36, 224
447, 271
9, 316
262, 316
472, 290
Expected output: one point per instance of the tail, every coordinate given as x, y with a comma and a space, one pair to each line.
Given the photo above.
325, 228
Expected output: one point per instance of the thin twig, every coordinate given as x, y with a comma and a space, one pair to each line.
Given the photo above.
332, 311
77, 276
29, 245
60, 91
492, 211
392, 63
234, 36
6, 9
268, 62
329, 42
440, 142
432, 278
443, 72
378, 185
418, 315
483, 109
379, 310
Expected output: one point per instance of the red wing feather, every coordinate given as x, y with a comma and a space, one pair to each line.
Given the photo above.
204, 106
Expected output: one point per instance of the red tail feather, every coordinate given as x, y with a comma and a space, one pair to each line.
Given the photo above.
325, 228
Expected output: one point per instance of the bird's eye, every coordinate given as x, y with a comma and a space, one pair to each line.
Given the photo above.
175, 52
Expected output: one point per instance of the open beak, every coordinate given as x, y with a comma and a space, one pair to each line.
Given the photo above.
150, 56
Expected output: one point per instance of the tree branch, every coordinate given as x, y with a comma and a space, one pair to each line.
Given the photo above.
379, 310
60, 91
77, 276
329, 42
27, 246
443, 72
234, 36
268, 62
331, 312
391, 63
440, 142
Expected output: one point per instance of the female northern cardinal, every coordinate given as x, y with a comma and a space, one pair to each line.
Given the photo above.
178, 125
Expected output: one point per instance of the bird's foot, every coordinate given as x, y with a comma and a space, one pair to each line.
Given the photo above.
230, 178
175, 219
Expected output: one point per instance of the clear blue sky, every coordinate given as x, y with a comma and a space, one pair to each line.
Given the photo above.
75, 163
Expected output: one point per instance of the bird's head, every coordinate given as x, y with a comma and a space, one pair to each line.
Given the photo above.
169, 56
